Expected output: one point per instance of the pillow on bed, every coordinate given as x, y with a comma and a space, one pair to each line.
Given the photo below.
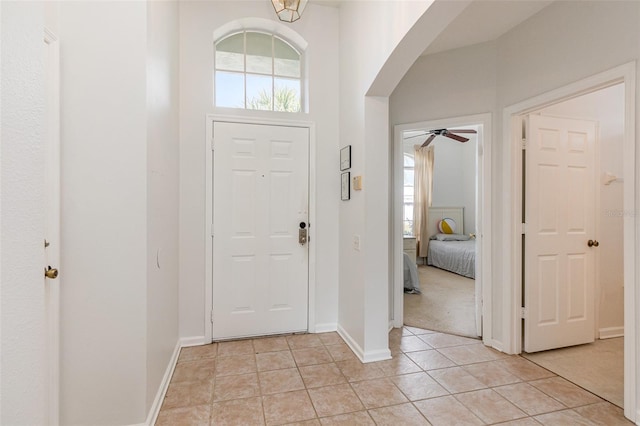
450, 237
447, 226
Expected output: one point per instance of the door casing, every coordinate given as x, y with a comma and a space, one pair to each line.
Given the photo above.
512, 214
209, 210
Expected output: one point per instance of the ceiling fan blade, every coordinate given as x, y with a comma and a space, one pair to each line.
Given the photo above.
428, 141
462, 131
455, 137
417, 136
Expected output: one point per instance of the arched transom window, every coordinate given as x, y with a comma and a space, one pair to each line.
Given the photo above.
256, 70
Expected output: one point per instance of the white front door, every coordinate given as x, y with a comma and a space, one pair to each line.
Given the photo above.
559, 268
51, 238
260, 202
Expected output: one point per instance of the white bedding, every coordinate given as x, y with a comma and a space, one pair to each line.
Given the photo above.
454, 256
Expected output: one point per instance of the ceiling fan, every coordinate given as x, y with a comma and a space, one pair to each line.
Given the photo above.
444, 132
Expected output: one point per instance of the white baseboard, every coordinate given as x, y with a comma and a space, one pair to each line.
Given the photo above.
326, 328
185, 342
355, 347
164, 385
365, 357
610, 332
498, 346
379, 355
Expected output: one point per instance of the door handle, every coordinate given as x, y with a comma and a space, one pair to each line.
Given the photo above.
51, 273
302, 234
593, 243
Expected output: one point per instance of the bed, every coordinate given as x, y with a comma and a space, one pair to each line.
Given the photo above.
453, 252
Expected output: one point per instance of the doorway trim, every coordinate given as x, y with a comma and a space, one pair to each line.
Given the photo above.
512, 211
208, 288
483, 213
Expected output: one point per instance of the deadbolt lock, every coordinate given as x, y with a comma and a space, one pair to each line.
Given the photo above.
302, 234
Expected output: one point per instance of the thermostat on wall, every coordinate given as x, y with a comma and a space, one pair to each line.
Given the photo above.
357, 183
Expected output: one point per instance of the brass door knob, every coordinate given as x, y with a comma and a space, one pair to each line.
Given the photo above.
593, 243
51, 273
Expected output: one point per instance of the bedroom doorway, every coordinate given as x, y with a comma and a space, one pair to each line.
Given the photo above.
442, 291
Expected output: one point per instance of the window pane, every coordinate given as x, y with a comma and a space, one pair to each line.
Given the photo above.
259, 92
287, 95
408, 177
229, 89
408, 212
408, 161
408, 227
408, 194
259, 53
286, 59
230, 53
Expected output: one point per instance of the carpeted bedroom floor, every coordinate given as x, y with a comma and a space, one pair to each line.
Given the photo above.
447, 303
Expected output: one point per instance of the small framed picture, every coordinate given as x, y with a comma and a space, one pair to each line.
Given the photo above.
346, 187
345, 158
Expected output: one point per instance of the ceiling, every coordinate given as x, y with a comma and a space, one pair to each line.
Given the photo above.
481, 21
485, 20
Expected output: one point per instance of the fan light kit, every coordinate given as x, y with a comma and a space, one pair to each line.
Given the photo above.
289, 10
451, 134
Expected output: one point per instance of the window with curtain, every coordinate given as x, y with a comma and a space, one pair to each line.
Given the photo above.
407, 213
256, 70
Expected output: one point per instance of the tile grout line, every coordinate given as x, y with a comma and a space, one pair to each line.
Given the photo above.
393, 373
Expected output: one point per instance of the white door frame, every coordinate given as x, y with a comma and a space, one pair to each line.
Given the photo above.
483, 214
208, 292
512, 212
52, 153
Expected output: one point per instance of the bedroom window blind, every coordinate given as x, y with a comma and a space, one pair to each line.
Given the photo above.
256, 70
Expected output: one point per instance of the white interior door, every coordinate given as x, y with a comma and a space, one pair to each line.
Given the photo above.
51, 239
560, 220
260, 196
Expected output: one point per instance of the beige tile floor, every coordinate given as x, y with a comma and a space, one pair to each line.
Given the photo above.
597, 367
315, 379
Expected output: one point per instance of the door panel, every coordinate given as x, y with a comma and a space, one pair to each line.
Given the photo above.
51, 238
560, 216
260, 271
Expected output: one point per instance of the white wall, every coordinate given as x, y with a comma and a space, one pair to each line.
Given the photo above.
606, 107
162, 189
22, 307
367, 78
104, 212
319, 27
454, 175
553, 48
454, 178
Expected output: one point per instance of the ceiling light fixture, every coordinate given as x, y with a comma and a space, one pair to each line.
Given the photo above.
289, 10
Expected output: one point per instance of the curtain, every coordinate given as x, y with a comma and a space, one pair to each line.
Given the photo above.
422, 190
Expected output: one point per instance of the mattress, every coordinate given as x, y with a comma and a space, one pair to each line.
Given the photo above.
455, 256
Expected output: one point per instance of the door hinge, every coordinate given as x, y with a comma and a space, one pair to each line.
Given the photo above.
523, 230
524, 144
523, 312
212, 316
